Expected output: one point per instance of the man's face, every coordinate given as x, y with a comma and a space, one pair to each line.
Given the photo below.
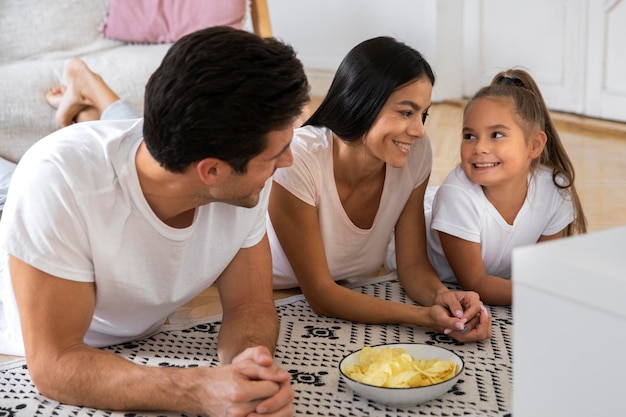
244, 189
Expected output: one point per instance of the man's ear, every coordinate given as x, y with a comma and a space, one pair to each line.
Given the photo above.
537, 143
211, 170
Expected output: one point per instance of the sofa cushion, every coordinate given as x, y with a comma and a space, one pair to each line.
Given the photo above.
33, 27
165, 21
26, 117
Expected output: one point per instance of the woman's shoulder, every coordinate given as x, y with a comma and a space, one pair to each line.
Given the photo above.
312, 153
311, 147
421, 150
419, 163
312, 138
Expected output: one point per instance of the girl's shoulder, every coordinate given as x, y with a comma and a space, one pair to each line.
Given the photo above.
544, 176
543, 184
457, 177
459, 189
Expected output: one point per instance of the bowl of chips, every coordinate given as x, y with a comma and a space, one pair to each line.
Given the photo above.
401, 375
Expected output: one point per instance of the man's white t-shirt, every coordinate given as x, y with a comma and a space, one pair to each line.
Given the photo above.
75, 210
460, 208
350, 251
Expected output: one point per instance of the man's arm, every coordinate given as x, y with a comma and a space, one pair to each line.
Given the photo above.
249, 314
250, 321
55, 315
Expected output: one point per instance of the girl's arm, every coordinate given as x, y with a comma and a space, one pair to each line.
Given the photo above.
467, 263
297, 227
545, 238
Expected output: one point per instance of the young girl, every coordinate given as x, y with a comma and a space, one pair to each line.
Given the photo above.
360, 169
513, 187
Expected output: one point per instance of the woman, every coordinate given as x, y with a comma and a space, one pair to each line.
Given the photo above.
361, 167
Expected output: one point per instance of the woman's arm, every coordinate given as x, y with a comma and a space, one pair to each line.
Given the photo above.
420, 280
415, 272
297, 227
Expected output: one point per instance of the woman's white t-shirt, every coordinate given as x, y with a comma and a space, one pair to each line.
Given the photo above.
350, 251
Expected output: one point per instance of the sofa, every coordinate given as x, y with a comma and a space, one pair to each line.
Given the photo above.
39, 36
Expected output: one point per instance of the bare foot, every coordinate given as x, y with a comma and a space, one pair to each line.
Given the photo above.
54, 97
72, 101
86, 94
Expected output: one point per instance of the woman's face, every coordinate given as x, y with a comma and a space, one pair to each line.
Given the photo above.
399, 124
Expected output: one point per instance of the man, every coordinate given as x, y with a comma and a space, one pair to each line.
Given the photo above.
110, 226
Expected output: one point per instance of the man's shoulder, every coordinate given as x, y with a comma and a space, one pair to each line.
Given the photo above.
86, 137
87, 152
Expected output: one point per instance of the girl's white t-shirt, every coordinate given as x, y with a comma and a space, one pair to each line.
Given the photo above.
460, 208
75, 210
350, 251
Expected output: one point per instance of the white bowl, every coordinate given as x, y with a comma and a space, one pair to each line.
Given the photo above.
404, 397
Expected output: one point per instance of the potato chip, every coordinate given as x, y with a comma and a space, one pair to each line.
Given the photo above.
395, 368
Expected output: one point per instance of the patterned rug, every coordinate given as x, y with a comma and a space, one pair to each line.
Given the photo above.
310, 347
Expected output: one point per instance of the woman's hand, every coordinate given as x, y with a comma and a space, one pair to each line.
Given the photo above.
461, 315
461, 304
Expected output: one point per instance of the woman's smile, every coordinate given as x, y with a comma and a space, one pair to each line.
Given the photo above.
404, 147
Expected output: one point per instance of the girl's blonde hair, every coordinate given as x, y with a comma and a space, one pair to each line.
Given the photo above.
532, 112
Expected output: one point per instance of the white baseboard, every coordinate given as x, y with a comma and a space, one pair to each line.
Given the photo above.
320, 80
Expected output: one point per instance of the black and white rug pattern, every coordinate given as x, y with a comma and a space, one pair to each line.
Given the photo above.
310, 347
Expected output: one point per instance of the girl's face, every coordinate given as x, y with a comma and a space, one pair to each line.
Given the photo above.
399, 123
495, 150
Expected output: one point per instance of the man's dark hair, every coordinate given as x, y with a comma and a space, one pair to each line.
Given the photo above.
217, 93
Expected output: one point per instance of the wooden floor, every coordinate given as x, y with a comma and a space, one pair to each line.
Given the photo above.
597, 148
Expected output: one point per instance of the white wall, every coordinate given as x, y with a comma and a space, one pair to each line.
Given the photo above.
573, 48
323, 31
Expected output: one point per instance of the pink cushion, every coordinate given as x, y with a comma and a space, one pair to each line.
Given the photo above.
165, 21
